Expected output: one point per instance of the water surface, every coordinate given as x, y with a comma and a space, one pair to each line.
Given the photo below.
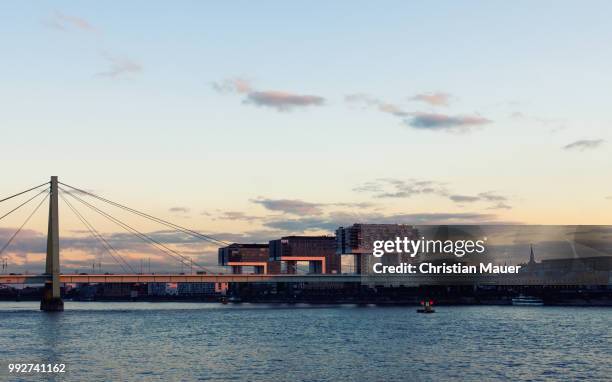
256, 342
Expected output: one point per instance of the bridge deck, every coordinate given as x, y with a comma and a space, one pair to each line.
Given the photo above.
591, 278
160, 278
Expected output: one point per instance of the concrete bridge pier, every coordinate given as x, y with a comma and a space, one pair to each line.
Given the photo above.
52, 299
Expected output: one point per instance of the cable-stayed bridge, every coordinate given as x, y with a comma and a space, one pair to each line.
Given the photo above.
74, 196
77, 198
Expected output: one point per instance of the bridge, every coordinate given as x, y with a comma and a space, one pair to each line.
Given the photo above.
72, 196
52, 278
171, 278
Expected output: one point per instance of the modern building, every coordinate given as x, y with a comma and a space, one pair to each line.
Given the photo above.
243, 256
318, 251
355, 244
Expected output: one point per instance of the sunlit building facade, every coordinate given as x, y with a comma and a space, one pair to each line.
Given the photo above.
241, 257
319, 252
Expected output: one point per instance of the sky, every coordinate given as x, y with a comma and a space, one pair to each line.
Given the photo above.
253, 120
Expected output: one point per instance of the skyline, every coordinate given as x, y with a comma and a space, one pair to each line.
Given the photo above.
280, 120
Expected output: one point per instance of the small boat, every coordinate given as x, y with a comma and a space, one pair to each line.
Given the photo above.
523, 300
427, 307
223, 300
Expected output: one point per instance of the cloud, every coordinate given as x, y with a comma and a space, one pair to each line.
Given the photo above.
490, 197
464, 198
373, 186
421, 120
440, 218
237, 215
233, 85
283, 101
254, 236
369, 101
434, 99
335, 220
179, 210
290, 206
387, 188
584, 144
483, 196
393, 110
279, 100
396, 188
302, 224
62, 21
28, 241
353, 205
500, 206
120, 66
442, 122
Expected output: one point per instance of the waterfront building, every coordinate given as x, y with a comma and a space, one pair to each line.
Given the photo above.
318, 251
355, 244
244, 256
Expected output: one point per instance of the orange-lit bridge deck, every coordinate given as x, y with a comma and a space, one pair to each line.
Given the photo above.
590, 278
161, 278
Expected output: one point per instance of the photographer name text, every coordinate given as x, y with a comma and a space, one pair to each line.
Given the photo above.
458, 248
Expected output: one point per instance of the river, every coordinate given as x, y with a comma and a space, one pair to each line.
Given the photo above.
108, 341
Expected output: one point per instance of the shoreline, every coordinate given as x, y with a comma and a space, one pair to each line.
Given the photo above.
364, 302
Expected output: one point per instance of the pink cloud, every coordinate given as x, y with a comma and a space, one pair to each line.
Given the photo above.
62, 21
434, 99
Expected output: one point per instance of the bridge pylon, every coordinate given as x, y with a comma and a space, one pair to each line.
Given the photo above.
52, 299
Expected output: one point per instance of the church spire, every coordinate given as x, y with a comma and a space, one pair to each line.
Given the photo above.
531, 256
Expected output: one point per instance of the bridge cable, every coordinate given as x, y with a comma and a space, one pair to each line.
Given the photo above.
23, 204
153, 218
109, 248
96, 234
23, 192
166, 250
125, 226
24, 223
